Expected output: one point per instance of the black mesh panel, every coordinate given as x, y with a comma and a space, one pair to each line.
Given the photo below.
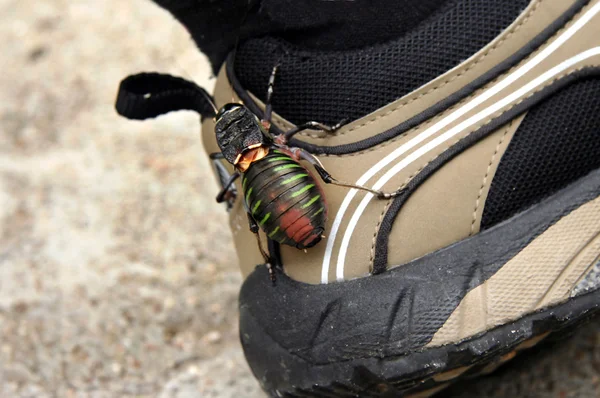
331, 86
216, 26
557, 143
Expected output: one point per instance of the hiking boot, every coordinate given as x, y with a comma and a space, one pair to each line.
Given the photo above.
482, 120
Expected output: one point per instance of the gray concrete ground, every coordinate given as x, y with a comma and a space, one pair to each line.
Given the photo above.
117, 276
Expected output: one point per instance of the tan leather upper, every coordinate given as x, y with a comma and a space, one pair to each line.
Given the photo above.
448, 206
541, 275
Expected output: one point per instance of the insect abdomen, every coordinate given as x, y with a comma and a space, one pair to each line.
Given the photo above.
285, 200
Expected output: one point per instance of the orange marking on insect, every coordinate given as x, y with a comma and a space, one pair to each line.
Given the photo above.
293, 229
293, 221
303, 233
280, 139
310, 241
253, 154
288, 217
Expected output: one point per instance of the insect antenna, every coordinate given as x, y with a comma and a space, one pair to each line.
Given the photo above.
210, 101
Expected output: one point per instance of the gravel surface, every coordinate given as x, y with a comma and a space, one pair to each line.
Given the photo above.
117, 275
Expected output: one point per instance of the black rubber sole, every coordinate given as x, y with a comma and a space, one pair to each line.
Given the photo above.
423, 372
366, 337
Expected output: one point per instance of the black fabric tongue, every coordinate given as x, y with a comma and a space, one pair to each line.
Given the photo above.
341, 59
215, 25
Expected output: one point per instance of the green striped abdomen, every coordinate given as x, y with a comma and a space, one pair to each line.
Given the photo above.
285, 200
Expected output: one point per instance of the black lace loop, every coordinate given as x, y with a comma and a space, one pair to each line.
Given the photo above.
148, 95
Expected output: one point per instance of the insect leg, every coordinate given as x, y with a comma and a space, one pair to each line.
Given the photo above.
285, 137
329, 179
221, 195
254, 229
